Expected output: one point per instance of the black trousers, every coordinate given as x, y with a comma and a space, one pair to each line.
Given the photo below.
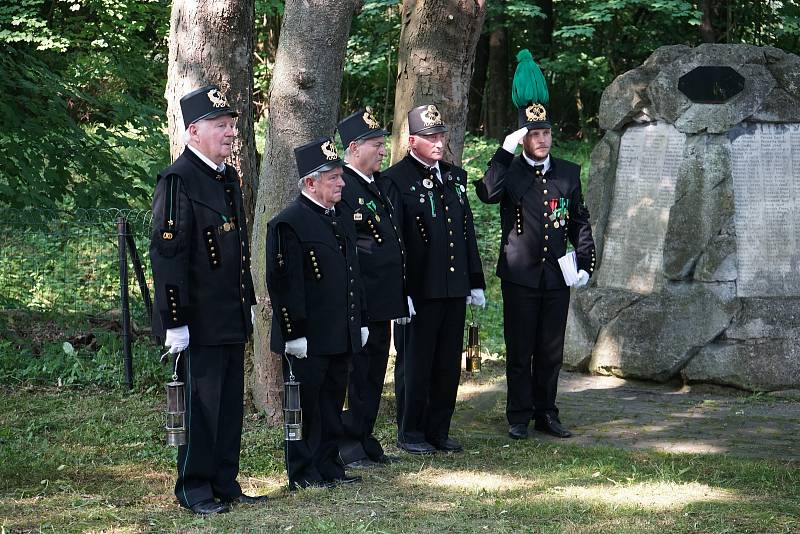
209, 462
365, 386
534, 324
323, 381
431, 364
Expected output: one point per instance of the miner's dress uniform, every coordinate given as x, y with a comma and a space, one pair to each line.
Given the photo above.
535, 297
200, 258
442, 265
316, 292
381, 259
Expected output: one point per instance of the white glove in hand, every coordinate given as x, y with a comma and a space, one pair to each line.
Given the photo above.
177, 339
411, 313
513, 139
583, 278
476, 298
364, 335
297, 347
253, 314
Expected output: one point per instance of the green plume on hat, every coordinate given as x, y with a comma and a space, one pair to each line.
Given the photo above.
529, 85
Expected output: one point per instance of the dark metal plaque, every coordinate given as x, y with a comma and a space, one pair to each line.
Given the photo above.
711, 85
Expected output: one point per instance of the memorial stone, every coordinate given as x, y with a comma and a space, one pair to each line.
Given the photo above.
695, 200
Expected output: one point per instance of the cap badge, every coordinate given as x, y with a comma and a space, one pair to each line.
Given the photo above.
329, 150
536, 112
370, 120
431, 116
217, 98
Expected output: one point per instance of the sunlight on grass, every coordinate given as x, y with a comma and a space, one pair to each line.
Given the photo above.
467, 390
656, 496
468, 481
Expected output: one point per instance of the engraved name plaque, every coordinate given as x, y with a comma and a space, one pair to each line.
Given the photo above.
765, 165
647, 171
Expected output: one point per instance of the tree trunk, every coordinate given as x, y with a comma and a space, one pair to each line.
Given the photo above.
498, 106
545, 26
435, 58
478, 85
303, 105
211, 41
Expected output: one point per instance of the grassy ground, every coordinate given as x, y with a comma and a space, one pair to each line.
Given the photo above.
77, 458
93, 461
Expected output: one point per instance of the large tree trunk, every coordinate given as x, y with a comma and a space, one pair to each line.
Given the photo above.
478, 85
498, 118
211, 41
435, 58
303, 105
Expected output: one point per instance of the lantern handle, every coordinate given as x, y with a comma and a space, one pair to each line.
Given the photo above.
175, 371
291, 372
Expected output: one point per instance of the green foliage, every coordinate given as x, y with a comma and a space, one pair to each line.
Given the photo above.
371, 61
82, 107
69, 351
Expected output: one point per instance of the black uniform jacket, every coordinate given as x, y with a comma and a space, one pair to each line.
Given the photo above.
313, 280
380, 246
531, 242
200, 254
442, 259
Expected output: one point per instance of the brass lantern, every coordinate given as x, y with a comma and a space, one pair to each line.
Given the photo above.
176, 410
473, 361
292, 412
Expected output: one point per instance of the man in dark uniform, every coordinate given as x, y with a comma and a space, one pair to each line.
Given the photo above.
444, 273
541, 208
319, 314
380, 255
201, 269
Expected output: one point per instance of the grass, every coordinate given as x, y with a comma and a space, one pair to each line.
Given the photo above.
83, 458
94, 461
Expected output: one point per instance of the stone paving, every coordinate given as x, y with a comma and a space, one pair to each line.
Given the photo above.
693, 419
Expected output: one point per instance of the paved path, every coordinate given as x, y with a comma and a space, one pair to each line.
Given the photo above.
633, 414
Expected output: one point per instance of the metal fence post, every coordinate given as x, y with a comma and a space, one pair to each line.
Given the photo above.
138, 271
122, 227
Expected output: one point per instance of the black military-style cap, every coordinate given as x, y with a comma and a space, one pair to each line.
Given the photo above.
360, 125
533, 116
315, 155
204, 103
425, 120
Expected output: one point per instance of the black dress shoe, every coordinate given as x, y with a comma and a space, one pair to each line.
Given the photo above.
346, 479
385, 459
551, 425
423, 447
518, 431
246, 499
447, 445
364, 463
210, 508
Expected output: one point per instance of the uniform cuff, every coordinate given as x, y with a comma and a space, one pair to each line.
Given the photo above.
477, 281
175, 317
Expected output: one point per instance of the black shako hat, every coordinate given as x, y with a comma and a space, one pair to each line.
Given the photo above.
315, 155
425, 120
360, 125
205, 103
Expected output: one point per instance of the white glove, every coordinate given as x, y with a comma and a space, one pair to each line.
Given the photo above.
583, 278
364, 335
177, 339
297, 347
253, 314
513, 139
476, 298
411, 313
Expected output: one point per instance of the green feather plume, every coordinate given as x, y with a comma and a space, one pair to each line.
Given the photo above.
529, 84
